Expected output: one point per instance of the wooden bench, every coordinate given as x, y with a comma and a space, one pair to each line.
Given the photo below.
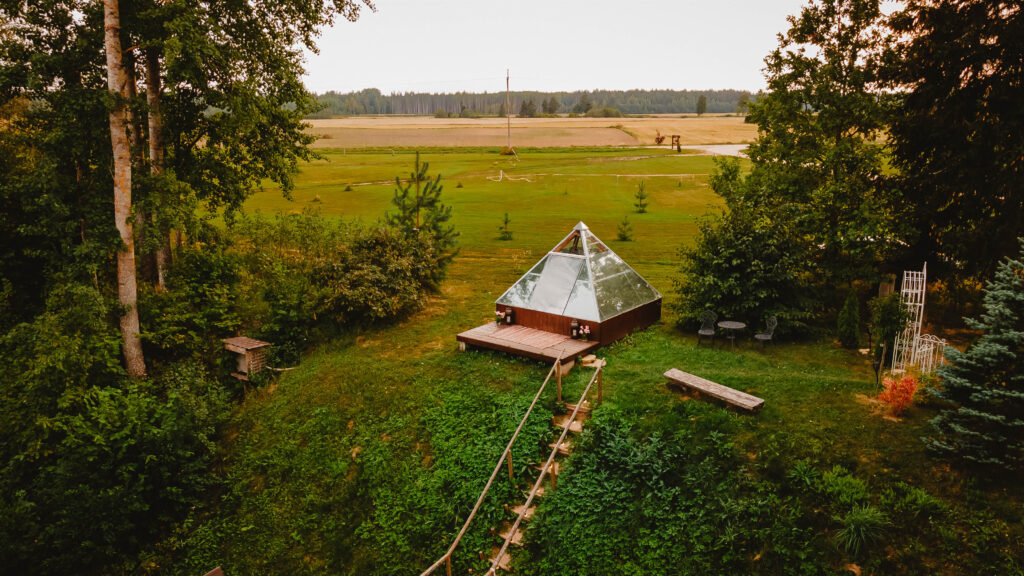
723, 393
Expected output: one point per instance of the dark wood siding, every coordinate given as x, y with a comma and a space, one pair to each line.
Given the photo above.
604, 332
636, 319
549, 322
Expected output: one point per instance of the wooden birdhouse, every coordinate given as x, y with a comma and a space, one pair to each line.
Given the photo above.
251, 355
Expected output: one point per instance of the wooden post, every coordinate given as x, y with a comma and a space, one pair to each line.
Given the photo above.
554, 477
600, 378
559, 369
448, 565
510, 465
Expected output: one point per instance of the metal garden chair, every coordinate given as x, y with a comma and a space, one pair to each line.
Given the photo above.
766, 336
707, 326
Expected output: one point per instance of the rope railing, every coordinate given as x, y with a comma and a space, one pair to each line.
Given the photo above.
446, 559
493, 570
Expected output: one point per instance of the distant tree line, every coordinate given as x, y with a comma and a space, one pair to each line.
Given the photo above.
372, 101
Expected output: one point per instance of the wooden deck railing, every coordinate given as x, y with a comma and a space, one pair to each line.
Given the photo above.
493, 570
446, 559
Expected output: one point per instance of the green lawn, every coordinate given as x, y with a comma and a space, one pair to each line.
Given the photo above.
367, 456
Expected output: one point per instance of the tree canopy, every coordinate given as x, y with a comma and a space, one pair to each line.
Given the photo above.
957, 70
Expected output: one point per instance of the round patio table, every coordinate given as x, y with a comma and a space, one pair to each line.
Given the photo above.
731, 327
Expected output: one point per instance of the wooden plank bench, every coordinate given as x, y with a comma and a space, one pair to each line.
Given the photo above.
723, 393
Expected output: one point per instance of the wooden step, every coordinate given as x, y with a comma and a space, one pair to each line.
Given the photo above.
561, 421
517, 538
584, 409
506, 560
564, 449
529, 511
540, 493
555, 468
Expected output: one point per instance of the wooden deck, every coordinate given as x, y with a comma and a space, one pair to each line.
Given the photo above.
715, 390
529, 342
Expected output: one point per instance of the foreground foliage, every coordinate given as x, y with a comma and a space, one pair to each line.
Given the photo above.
94, 464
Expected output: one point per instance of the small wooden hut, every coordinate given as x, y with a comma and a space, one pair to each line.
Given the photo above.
251, 355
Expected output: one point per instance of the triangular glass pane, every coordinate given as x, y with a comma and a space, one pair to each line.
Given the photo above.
556, 283
594, 245
582, 302
520, 292
607, 264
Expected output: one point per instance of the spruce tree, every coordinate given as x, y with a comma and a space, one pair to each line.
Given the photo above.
625, 230
641, 199
986, 383
506, 232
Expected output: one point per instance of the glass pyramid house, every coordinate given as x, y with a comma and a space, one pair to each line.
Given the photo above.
580, 278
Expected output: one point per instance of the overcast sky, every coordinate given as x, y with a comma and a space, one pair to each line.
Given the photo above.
550, 45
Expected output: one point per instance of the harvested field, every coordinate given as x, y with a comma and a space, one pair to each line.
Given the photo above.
417, 131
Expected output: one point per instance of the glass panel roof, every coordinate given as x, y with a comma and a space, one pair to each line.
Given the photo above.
555, 284
581, 278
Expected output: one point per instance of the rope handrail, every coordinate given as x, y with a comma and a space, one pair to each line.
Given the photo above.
447, 557
493, 570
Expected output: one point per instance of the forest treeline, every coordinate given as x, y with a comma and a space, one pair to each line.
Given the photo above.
372, 101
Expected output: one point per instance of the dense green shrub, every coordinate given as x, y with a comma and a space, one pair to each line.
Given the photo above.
604, 112
747, 264
383, 274
848, 322
745, 267
95, 466
630, 503
308, 276
198, 308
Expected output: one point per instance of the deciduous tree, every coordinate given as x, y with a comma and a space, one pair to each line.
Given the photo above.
816, 159
955, 137
127, 292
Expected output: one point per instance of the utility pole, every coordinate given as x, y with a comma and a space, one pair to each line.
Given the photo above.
508, 112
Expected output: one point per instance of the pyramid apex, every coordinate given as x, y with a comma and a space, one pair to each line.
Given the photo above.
580, 226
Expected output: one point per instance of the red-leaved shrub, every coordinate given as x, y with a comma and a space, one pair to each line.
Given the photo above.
898, 394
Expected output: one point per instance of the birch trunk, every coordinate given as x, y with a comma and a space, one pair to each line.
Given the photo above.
156, 151
126, 287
